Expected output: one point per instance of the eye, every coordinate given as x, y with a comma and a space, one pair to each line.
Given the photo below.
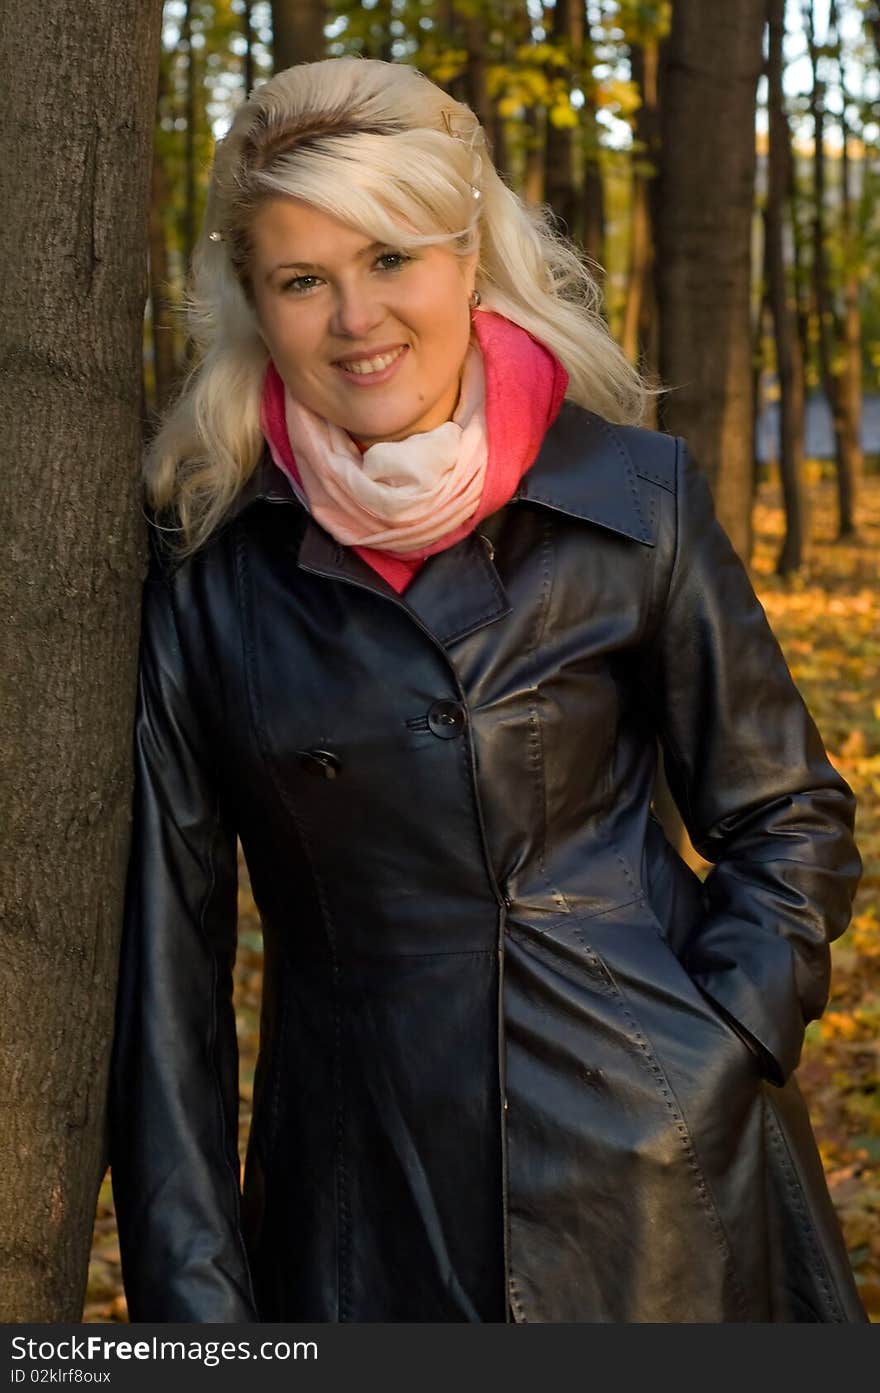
298, 285
392, 261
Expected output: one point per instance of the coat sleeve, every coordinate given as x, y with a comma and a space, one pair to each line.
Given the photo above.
756, 791
174, 1078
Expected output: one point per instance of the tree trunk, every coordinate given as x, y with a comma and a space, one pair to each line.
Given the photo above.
638, 332
567, 32
593, 194
475, 72
710, 64
849, 478
789, 365
297, 32
533, 184
74, 188
248, 27
189, 151
801, 270
829, 329
161, 320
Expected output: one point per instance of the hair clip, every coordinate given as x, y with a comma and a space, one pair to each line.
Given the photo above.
215, 236
457, 124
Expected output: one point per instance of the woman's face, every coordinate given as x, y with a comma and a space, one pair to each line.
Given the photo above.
371, 338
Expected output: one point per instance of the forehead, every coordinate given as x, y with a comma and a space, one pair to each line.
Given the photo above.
289, 227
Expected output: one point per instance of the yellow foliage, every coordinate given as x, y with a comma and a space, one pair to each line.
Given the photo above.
839, 1025
550, 55
509, 107
620, 95
563, 116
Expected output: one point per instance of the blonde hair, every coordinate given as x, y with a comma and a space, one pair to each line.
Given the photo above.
383, 149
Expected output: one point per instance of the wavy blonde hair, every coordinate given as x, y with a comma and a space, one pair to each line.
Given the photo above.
382, 148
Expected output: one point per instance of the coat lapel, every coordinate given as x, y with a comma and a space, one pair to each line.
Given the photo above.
585, 469
457, 591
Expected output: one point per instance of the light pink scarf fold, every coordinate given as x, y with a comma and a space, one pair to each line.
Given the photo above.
399, 496
514, 401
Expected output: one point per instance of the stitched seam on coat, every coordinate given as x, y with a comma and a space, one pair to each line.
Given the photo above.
780, 1146
655, 478
656, 1070
535, 740
343, 1215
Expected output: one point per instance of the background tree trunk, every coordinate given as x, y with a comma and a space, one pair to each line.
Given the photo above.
567, 32
789, 364
709, 71
75, 172
638, 335
593, 193
830, 331
297, 32
848, 478
248, 30
475, 71
189, 156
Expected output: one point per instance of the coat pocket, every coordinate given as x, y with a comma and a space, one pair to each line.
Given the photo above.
633, 1127
676, 1014
710, 1069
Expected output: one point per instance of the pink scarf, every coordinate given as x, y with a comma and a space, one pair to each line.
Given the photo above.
442, 482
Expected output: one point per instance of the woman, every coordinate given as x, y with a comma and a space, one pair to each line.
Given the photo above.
427, 600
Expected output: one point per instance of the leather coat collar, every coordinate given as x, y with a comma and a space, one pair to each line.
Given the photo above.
583, 468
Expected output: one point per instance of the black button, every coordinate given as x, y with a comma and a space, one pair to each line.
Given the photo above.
446, 719
321, 763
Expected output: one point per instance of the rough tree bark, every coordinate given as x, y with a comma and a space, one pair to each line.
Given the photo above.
74, 188
710, 64
297, 32
161, 313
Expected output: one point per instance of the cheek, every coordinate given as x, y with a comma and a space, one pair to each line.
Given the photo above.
291, 341
445, 321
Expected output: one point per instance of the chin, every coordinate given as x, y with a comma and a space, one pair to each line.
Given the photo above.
374, 431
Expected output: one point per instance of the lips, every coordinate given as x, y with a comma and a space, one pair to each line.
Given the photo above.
361, 367
362, 373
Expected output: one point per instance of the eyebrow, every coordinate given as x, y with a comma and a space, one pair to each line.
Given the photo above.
312, 266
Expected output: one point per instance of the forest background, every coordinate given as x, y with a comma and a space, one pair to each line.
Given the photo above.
717, 164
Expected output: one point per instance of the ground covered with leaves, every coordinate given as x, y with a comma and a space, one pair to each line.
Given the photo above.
828, 622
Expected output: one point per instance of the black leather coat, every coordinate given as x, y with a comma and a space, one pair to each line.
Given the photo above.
517, 1062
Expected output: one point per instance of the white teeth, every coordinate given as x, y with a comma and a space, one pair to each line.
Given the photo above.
372, 364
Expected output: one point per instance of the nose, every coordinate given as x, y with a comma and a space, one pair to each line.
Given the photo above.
357, 310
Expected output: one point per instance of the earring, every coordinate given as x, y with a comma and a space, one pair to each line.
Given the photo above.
475, 299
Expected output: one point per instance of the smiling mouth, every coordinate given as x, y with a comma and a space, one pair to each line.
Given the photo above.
362, 366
